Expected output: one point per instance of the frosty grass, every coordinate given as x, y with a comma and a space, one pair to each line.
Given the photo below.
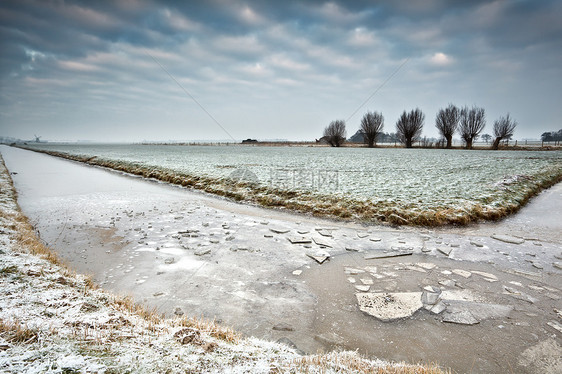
403, 186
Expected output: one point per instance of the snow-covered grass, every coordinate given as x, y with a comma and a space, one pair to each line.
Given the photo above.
55, 321
399, 186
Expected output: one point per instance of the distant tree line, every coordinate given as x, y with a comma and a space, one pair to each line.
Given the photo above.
552, 136
467, 122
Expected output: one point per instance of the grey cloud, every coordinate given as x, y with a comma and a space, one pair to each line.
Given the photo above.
245, 58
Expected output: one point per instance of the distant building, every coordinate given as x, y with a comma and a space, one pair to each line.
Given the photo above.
358, 137
322, 140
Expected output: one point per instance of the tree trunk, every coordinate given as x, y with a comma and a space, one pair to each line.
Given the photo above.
496, 144
469, 143
449, 141
409, 143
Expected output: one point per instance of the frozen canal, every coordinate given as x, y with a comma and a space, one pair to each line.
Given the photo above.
489, 295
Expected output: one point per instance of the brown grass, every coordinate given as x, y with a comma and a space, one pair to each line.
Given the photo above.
350, 361
28, 242
226, 334
15, 332
12, 269
127, 303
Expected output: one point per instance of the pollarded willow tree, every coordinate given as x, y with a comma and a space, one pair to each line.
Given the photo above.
472, 122
504, 127
372, 124
447, 121
335, 133
409, 126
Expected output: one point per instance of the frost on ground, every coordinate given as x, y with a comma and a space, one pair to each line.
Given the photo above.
53, 320
399, 186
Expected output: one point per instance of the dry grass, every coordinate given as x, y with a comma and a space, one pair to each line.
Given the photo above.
15, 332
350, 361
28, 242
127, 303
12, 269
223, 333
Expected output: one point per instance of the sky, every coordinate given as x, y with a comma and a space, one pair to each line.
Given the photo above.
134, 70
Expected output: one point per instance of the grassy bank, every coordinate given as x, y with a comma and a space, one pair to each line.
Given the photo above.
508, 196
53, 320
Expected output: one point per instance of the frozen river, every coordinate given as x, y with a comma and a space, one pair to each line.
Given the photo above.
187, 252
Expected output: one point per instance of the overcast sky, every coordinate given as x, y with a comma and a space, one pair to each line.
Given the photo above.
75, 70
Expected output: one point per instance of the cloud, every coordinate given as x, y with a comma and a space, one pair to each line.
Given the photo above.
257, 70
86, 62
361, 37
334, 12
178, 22
286, 63
249, 16
441, 59
85, 17
239, 45
489, 14
77, 66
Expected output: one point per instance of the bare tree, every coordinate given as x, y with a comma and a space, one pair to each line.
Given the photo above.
472, 122
486, 137
504, 127
409, 126
335, 133
371, 126
447, 121
551, 136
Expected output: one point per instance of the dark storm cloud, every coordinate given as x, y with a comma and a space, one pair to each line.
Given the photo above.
294, 64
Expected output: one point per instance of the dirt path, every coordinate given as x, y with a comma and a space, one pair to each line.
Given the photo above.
258, 270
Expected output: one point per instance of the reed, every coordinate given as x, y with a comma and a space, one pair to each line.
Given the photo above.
15, 332
352, 362
210, 327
